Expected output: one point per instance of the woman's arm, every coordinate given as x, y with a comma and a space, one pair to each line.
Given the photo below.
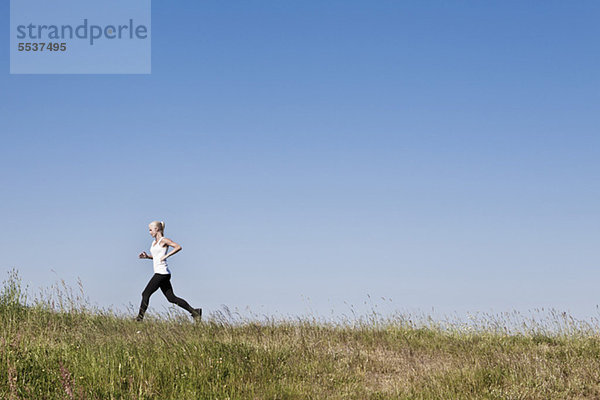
144, 255
176, 248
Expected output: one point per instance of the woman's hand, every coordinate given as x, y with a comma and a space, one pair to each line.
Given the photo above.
143, 255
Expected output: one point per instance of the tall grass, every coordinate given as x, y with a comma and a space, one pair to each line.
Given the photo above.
57, 346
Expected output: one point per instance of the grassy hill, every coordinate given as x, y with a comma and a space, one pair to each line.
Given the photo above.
66, 351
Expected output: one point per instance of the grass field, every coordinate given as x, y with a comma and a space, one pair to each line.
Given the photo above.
60, 348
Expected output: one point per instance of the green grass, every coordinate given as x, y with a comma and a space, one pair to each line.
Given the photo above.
64, 349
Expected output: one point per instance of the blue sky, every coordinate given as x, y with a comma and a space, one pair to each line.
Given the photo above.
305, 154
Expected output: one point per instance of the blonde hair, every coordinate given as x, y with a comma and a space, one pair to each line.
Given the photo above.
160, 225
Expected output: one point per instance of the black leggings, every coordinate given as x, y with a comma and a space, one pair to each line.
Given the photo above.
164, 283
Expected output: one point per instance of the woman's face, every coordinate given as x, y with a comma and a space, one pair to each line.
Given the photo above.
153, 229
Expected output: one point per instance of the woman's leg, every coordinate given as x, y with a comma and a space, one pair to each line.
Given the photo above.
151, 287
167, 290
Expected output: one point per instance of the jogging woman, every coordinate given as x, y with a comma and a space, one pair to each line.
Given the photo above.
162, 275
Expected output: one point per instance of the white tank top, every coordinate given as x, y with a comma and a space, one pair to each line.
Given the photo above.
160, 267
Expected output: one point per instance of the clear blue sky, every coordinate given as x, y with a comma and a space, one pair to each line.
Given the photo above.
441, 154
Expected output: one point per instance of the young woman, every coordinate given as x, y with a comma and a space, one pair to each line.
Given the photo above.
162, 276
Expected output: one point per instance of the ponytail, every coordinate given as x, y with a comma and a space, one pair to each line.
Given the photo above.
160, 225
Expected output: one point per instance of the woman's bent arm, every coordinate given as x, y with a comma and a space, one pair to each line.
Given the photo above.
144, 255
176, 248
